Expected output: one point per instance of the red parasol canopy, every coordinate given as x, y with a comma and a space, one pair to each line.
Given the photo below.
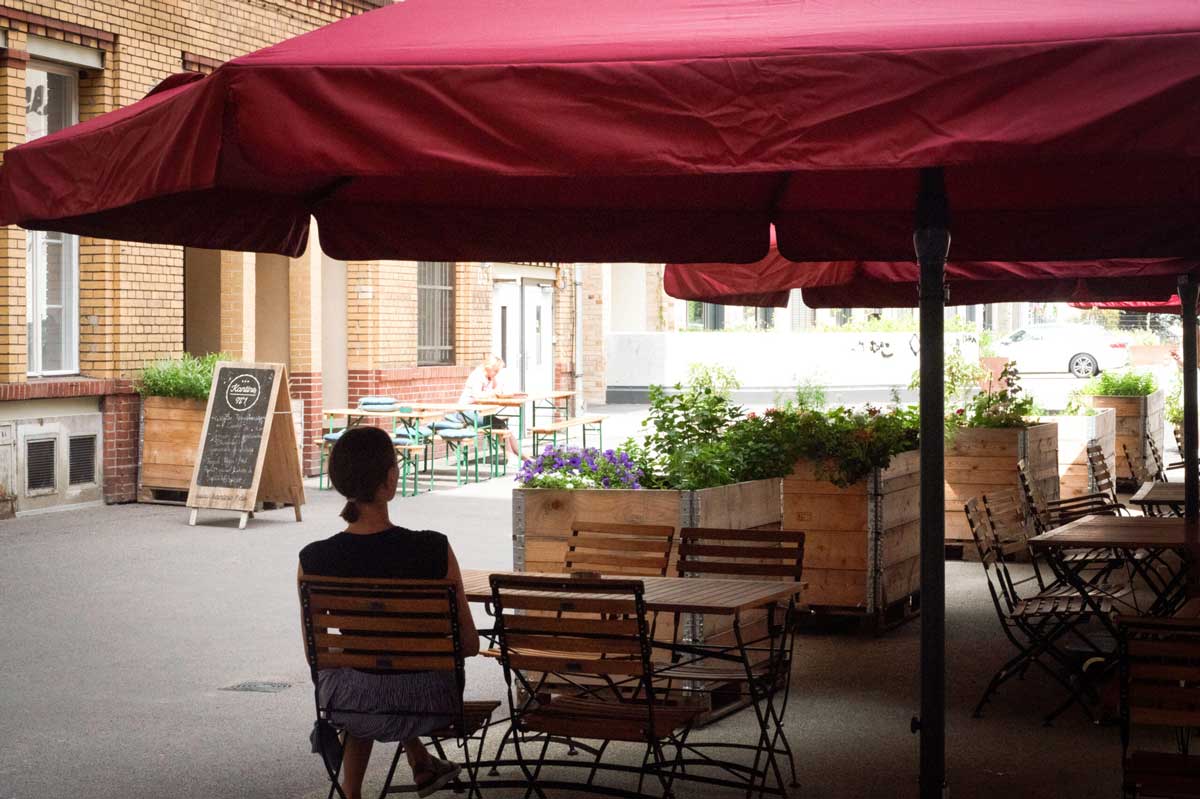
1172, 305
670, 131
875, 284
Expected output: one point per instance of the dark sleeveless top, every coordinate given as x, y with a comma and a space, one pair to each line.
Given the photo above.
396, 552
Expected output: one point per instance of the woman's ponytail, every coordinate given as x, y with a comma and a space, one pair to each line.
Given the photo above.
350, 512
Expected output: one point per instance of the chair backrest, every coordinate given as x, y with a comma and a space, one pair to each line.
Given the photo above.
1137, 467
985, 544
1101, 474
565, 630
722, 552
1009, 522
1160, 672
388, 626
635, 550
1038, 513
1160, 468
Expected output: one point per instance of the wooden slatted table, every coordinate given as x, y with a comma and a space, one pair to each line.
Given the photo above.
1155, 496
676, 594
1153, 536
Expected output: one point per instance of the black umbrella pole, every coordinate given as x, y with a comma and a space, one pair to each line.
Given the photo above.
932, 242
1188, 290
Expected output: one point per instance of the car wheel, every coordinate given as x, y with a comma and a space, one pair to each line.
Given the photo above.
1083, 365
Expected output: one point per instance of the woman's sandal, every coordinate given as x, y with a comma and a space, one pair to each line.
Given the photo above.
442, 772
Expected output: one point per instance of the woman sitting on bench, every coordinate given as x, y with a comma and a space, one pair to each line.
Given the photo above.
363, 468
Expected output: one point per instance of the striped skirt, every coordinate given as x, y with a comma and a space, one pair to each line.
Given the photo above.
389, 707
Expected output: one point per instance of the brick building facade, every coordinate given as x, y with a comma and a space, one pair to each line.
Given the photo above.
80, 317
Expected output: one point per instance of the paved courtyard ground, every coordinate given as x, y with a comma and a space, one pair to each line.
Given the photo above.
122, 625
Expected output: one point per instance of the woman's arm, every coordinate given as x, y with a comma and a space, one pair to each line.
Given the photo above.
466, 624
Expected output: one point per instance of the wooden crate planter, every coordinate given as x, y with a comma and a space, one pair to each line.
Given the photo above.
1136, 417
1075, 434
862, 543
542, 518
984, 461
170, 437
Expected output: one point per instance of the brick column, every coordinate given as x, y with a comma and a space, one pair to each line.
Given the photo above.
237, 304
472, 314
595, 278
120, 416
304, 297
381, 323
13, 335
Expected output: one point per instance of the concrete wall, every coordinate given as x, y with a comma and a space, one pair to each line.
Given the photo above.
769, 363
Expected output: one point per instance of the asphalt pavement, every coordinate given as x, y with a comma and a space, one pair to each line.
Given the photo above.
123, 628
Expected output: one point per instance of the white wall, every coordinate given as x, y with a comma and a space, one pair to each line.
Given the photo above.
628, 299
771, 360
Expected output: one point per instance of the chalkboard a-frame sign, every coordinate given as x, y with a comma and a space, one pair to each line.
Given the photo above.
248, 446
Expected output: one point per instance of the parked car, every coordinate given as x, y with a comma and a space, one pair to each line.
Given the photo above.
1080, 350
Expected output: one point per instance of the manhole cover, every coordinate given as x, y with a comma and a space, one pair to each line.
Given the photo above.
259, 686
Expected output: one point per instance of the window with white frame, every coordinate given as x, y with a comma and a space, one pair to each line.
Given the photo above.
435, 312
52, 259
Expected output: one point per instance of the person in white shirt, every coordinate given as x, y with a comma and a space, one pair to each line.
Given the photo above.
482, 385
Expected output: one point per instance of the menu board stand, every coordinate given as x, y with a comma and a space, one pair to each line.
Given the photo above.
248, 447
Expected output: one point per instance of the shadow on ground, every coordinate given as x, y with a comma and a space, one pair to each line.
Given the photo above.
121, 625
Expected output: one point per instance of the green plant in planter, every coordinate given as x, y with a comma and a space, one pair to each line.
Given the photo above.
1077, 407
188, 377
719, 379
1121, 384
1174, 403
961, 378
1001, 404
684, 446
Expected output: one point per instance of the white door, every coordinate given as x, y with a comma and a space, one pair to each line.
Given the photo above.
506, 328
538, 322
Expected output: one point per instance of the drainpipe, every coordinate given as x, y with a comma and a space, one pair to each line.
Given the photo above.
580, 404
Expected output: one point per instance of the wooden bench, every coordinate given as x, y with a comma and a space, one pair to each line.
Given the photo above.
587, 424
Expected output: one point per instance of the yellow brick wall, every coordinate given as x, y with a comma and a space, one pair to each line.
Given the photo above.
131, 295
472, 314
12, 239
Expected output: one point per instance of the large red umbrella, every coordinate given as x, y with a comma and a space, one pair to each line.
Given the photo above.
674, 131
1171, 305
879, 284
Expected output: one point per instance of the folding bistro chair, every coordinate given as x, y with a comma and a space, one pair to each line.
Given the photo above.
633, 550
576, 657
754, 554
1102, 479
1048, 514
1036, 625
389, 627
1160, 687
1157, 457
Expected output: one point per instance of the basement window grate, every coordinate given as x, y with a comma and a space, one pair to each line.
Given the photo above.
39, 464
83, 460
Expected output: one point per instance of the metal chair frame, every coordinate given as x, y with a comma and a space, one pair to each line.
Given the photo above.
1034, 625
1160, 687
596, 660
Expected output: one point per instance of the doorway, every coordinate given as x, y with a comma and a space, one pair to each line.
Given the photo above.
523, 331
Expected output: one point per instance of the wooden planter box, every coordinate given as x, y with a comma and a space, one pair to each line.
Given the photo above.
171, 431
1075, 434
1136, 417
984, 461
862, 543
542, 518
